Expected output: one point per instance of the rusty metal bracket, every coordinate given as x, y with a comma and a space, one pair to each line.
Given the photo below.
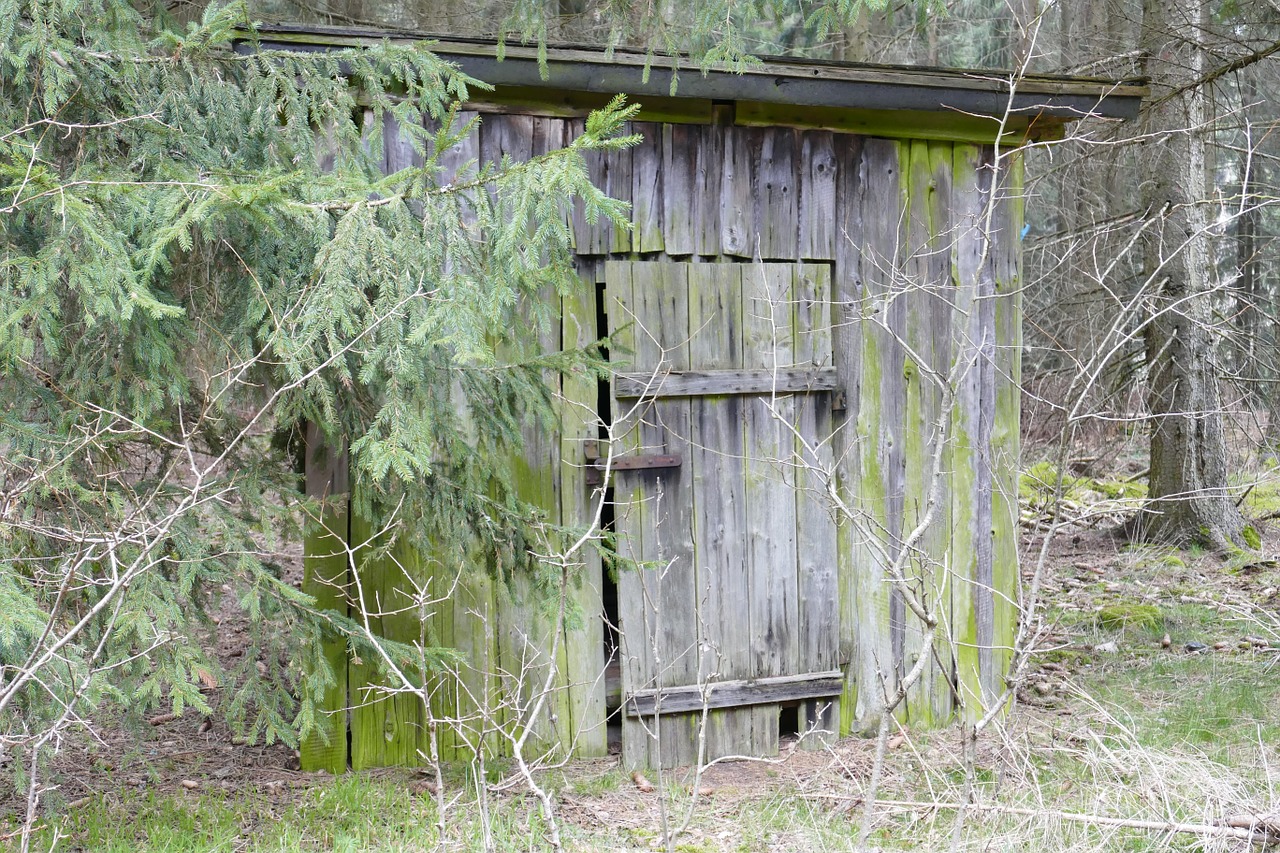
596, 463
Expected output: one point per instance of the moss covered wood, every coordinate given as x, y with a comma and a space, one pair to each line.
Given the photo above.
892, 263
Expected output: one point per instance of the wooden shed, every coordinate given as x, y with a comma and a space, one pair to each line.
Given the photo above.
820, 298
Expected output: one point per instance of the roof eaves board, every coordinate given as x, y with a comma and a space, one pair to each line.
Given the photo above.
807, 83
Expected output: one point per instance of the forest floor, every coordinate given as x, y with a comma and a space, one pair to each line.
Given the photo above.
1149, 719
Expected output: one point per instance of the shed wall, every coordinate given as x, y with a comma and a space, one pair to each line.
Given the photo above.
921, 238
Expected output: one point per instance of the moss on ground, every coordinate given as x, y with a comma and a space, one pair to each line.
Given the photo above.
1121, 616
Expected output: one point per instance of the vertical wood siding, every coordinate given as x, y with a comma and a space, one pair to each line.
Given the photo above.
894, 279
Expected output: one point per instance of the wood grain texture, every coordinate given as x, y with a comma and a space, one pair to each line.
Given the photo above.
734, 694
692, 163
847, 334
927, 267
387, 729
877, 506
716, 448
524, 632
610, 172
458, 165
647, 199
968, 208
694, 383
1007, 258
777, 217
984, 367
681, 198
817, 198
708, 175
637, 588
941, 316
661, 293
739, 184
818, 616
325, 579
769, 490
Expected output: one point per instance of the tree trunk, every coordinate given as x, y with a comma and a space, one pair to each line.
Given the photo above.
1189, 499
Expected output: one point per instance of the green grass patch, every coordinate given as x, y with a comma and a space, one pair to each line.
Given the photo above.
1143, 555
1216, 703
352, 813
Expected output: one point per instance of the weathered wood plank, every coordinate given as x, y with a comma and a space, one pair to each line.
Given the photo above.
941, 317
694, 383
647, 198
398, 150
739, 186
386, 727
1007, 333
569, 104
734, 694
523, 634
892, 450
506, 136
386, 730
692, 163
680, 197
877, 507
325, 579
847, 332
716, 446
527, 629
984, 310
637, 587
917, 432
926, 264
457, 165
548, 134
583, 650
946, 125
661, 294
818, 628
968, 206
817, 198
707, 176
769, 489
777, 214
478, 707
610, 171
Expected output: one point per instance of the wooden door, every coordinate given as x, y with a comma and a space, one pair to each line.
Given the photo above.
723, 420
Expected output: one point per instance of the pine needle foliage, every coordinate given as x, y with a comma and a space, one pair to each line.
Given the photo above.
199, 250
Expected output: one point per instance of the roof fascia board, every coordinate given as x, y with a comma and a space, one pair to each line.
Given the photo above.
813, 84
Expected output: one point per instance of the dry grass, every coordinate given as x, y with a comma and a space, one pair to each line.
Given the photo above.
1116, 741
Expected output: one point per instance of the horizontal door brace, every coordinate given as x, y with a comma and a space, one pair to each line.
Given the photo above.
715, 383
732, 694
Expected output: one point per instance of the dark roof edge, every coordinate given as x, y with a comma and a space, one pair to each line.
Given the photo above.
782, 81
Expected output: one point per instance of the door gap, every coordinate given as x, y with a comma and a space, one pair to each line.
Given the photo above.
789, 720
608, 580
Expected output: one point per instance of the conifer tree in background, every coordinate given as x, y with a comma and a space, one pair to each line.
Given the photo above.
179, 279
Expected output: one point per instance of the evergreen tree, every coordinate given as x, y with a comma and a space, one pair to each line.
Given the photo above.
198, 250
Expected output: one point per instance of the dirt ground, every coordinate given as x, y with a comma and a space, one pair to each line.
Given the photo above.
1087, 570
